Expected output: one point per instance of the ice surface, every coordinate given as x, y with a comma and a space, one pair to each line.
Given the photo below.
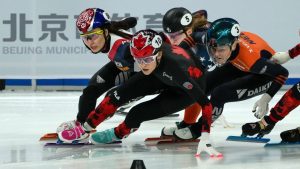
26, 116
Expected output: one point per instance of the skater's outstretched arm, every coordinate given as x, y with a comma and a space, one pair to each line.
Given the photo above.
283, 57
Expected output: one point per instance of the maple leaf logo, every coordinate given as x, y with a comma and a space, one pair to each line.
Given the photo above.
194, 72
140, 41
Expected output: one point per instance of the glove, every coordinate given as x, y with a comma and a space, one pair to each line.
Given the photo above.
204, 145
280, 57
261, 107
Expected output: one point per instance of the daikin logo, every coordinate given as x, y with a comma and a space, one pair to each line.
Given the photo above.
241, 92
258, 90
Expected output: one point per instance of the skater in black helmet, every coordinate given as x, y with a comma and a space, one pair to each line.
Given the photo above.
187, 30
244, 71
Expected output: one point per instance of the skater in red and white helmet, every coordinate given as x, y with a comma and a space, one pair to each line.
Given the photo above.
164, 68
101, 35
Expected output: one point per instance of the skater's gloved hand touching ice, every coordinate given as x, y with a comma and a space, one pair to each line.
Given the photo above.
205, 145
261, 107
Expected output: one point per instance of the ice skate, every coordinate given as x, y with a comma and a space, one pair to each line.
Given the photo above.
66, 126
184, 134
260, 128
73, 135
105, 137
291, 136
167, 132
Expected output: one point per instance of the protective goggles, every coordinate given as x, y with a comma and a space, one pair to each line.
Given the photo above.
221, 50
146, 60
91, 36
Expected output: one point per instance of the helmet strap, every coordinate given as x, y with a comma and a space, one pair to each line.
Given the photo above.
107, 39
157, 61
185, 33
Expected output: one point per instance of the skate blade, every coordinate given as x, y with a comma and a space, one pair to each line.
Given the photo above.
75, 144
179, 142
282, 144
248, 139
156, 140
168, 140
163, 138
49, 136
53, 136
66, 144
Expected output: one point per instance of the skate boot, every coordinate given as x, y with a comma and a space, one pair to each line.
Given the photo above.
167, 132
73, 135
291, 136
185, 134
104, 137
66, 126
260, 128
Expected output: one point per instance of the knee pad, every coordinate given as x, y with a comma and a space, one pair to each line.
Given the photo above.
106, 107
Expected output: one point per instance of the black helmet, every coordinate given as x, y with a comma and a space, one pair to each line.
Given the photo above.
223, 31
177, 19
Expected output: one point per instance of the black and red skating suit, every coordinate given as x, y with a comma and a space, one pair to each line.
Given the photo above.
179, 81
290, 100
295, 51
178, 72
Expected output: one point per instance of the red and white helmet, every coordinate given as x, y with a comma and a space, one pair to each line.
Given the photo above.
145, 43
92, 18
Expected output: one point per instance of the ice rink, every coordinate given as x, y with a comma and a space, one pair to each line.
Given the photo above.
26, 116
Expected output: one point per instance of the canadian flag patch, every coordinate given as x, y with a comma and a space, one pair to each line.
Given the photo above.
188, 85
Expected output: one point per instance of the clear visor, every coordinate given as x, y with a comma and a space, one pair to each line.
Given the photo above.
146, 60
219, 54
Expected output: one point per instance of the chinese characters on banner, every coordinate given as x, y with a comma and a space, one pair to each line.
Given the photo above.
53, 26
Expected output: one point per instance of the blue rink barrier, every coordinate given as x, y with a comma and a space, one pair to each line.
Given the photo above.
79, 82
47, 82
